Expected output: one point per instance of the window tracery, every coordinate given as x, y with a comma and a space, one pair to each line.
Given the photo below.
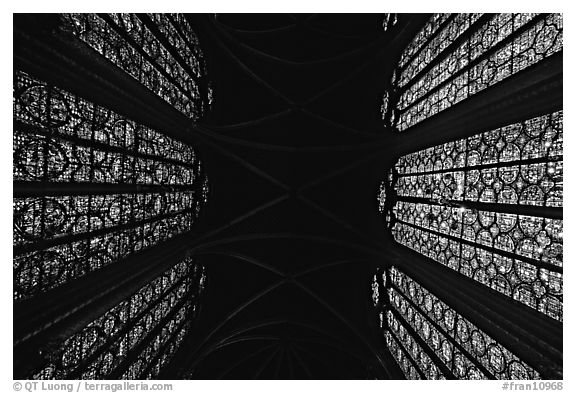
390, 20
106, 187
458, 55
429, 340
446, 209
164, 54
487, 206
382, 197
375, 290
92, 188
137, 337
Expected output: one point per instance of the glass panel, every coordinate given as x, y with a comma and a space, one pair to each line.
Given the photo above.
137, 337
390, 21
486, 52
463, 348
65, 141
419, 41
382, 197
412, 359
375, 290
168, 61
518, 255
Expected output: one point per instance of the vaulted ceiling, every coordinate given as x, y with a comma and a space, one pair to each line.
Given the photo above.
296, 153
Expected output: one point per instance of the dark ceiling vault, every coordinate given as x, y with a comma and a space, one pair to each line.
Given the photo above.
295, 151
297, 117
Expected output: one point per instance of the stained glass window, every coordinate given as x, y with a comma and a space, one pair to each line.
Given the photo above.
382, 197
429, 340
432, 26
104, 187
390, 21
457, 204
458, 55
384, 205
137, 337
375, 290
161, 51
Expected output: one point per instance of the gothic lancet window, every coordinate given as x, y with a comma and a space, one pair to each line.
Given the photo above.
106, 187
93, 188
390, 20
429, 340
446, 201
161, 51
488, 206
382, 197
458, 55
384, 205
138, 336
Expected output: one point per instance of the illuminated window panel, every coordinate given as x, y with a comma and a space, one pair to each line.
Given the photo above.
446, 193
63, 142
493, 48
181, 36
390, 21
383, 207
385, 105
409, 355
137, 337
382, 197
405, 363
535, 238
431, 28
79, 214
169, 64
539, 184
81, 137
519, 163
375, 291
459, 23
491, 261
417, 318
